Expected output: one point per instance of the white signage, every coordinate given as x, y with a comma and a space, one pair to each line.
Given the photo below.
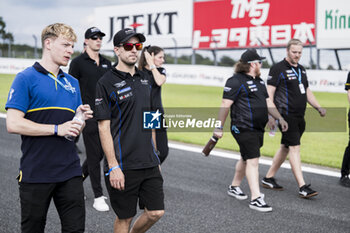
164, 23
333, 24
319, 80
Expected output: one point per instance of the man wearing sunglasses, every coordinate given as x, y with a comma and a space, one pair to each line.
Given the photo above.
132, 166
88, 68
246, 96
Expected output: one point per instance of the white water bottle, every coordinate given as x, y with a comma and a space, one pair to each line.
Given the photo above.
272, 132
79, 117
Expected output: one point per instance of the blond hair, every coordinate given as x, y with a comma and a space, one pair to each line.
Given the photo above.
57, 29
294, 42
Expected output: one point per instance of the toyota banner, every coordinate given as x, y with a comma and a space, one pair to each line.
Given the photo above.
227, 24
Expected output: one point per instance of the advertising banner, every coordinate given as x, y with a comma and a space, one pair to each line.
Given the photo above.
319, 80
164, 23
252, 23
333, 24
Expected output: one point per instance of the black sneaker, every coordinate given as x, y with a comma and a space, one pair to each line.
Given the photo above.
236, 191
260, 205
345, 181
270, 183
305, 191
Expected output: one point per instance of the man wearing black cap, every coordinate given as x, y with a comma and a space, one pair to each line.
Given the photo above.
88, 68
246, 96
132, 166
287, 84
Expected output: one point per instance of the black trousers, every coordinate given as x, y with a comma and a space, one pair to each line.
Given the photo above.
345, 168
162, 144
94, 154
68, 197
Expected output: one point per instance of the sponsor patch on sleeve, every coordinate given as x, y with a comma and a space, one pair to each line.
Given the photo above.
98, 101
227, 89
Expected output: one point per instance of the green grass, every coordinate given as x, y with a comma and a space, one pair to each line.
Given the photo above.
5, 84
321, 148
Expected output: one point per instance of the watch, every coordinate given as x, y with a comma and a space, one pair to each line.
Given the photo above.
152, 67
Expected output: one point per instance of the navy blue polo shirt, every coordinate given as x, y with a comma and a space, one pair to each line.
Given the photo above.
249, 108
288, 98
122, 99
46, 159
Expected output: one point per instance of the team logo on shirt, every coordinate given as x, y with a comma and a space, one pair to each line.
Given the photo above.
253, 87
11, 92
69, 86
151, 120
124, 90
125, 96
144, 81
120, 84
104, 66
98, 101
227, 89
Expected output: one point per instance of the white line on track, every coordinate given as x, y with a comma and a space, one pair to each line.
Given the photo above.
236, 156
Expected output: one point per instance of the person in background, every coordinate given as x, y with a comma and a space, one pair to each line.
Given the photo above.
246, 96
151, 61
288, 86
41, 105
345, 168
88, 68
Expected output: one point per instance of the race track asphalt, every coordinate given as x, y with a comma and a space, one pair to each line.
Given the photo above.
196, 200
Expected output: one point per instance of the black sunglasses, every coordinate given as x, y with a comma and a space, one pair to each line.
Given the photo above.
130, 46
96, 37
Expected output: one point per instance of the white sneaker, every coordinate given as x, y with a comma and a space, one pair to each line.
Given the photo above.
100, 204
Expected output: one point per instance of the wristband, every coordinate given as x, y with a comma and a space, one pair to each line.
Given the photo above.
152, 67
56, 130
221, 127
112, 169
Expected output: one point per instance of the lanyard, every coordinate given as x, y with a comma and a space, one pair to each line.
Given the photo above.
299, 76
68, 87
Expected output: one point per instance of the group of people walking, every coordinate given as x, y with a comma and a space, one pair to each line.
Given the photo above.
43, 101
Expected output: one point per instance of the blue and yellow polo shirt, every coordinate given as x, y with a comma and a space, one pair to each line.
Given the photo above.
46, 159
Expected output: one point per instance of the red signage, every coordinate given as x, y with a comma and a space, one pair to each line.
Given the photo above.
252, 23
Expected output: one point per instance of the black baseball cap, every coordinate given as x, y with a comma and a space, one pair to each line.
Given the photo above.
251, 55
125, 34
92, 32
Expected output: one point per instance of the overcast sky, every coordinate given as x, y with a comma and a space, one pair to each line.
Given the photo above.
25, 18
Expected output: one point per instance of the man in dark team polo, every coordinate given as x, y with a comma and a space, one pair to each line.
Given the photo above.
88, 68
288, 86
245, 94
132, 169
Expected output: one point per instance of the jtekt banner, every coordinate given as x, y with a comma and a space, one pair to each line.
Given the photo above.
252, 23
164, 23
333, 24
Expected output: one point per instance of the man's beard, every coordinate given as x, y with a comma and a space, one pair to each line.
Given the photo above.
128, 63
